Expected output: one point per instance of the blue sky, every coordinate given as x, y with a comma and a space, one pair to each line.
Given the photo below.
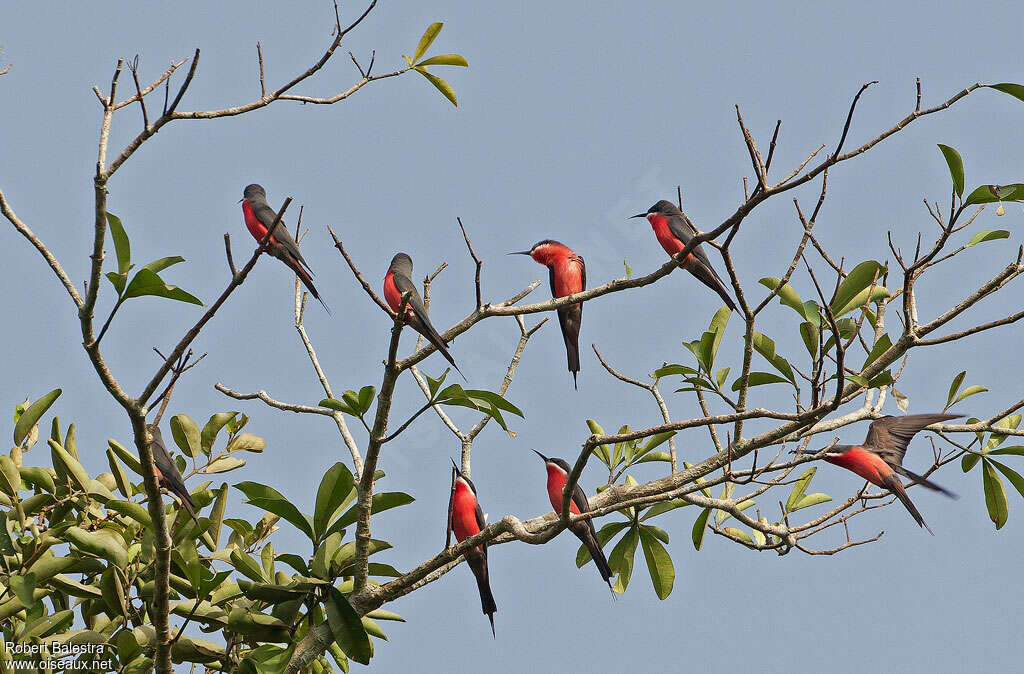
572, 117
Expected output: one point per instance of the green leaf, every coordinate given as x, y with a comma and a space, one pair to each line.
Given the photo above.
158, 266
968, 462
808, 500
629, 270
334, 488
339, 406
739, 533
271, 500
765, 346
699, 528
881, 345
32, 414
223, 465
988, 194
247, 566
956, 168
969, 391
23, 588
347, 628
664, 507
1013, 476
148, 283
621, 559
674, 369
119, 281
10, 476
212, 428
852, 292
760, 378
799, 488
440, 84
787, 296
445, 60
809, 334
995, 495
247, 442
659, 564
103, 543
71, 466
1015, 90
186, 435
717, 328
604, 534
121, 245
365, 398
988, 235
1015, 450
382, 501
954, 386
428, 38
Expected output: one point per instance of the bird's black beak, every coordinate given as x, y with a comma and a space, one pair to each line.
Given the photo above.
241, 200
638, 215
543, 458
456, 467
520, 252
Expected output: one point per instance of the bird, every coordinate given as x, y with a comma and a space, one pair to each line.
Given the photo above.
397, 282
673, 231
568, 274
259, 216
468, 520
880, 459
558, 476
167, 473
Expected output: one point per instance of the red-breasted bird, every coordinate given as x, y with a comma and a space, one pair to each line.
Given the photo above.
467, 520
880, 459
568, 275
397, 282
259, 216
558, 476
674, 230
167, 473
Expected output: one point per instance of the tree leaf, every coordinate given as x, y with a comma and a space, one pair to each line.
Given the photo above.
1015, 90
334, 488
428, 38
739, 533
787, 296
988, 194
121, 245
385, 500
445, 60
759, 379
212, 428
273, 501
158, 266
186, 435
995, 495
858, 281
347, 628
119, 281
23, 587
699, 528
148, 283
954, 386
247, 442
808, 500
659, 564
956, 168
32, 414
988, 235
223, 465
799, 488
441, 86
809, 334
968, 462
621, 559
969, 391
604, 534
1013, 476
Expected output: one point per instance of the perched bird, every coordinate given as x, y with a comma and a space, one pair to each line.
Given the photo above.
259, 216
880, 459
673, 231
167, 473
568, 275
558, 476
397, 282
467, 520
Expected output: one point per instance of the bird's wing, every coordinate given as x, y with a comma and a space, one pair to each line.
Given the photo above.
583, 273
683, 229
266, 215
480, 521
889, 436
405, 285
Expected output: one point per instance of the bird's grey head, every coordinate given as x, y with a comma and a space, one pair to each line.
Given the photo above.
401, 264
254, 192
663, 207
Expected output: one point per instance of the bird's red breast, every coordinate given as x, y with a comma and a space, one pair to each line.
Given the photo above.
557, 480
668, 240
391, 294
253, 224
464, 512
565, 265
865, 463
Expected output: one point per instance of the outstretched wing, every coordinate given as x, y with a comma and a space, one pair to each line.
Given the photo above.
889, 436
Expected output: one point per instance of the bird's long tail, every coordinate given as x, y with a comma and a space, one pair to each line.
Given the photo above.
434, 338
478, 564
307, 280
925, 482
587, 535
185, 498
570, 318
896, 488
708, 277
